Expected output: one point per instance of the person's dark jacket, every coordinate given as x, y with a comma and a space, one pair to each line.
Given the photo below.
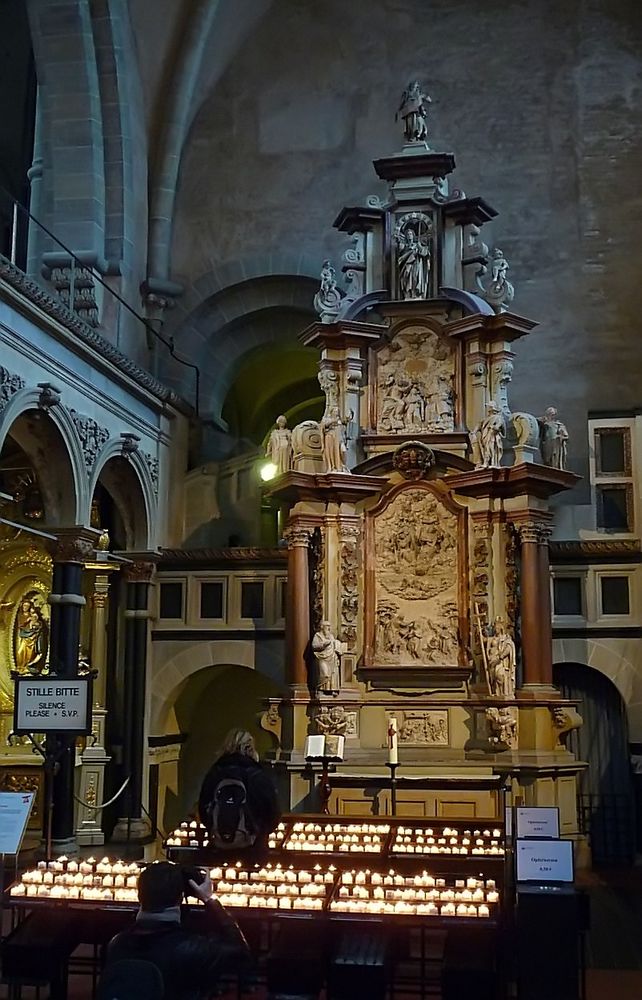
261, 793
191, 962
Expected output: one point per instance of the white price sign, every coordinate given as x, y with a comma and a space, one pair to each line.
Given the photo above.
53, 704
538, 821
544, 861
14, 814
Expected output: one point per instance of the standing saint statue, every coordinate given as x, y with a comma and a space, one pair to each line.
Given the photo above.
502, 661
326, 649
334, 443
553, 437
414, 113
279, 447
488, 439
412, 237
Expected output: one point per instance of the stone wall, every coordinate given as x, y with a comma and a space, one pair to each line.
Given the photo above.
540, 103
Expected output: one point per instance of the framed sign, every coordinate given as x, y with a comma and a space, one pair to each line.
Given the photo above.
52, 704
538, 821
15, 808
544, 861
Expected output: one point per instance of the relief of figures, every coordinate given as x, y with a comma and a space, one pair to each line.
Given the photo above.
416, 582
416, 384
424, 728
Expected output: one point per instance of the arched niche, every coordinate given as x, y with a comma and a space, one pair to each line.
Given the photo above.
123, 502
35, 437
607, 799
208, 704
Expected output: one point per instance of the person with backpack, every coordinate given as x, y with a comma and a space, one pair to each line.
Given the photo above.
162, 958
238, 802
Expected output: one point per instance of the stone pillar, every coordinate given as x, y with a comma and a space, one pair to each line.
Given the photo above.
535, 606
66, 602
131, 824
297, 618
98, 642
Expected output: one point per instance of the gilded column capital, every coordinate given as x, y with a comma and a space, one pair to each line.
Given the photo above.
297, 536
139, 571
545, 531
77, 546
528, 531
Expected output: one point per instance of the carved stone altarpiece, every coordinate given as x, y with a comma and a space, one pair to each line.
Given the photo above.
417, 559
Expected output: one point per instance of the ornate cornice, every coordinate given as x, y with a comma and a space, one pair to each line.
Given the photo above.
192, 558
596, 548
59, 312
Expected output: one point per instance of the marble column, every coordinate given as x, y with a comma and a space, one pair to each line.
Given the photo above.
546, 614
131, 824
535, 607
297, 619
66, 602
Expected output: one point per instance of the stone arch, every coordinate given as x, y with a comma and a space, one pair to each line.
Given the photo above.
128, 481
55, 452
229, 321
172, 675
602, 657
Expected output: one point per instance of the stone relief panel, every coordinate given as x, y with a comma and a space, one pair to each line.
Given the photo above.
10, 383
416, 581
92, 437
423, 728
335, 721
415, 390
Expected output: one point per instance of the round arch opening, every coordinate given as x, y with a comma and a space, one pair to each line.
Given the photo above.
118, 505
208, 704
37, 470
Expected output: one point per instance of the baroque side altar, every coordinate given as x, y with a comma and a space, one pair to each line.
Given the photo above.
419, 518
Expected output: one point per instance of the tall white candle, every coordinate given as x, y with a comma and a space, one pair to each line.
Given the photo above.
393, 754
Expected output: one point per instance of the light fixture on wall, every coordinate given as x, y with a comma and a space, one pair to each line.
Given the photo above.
268, 471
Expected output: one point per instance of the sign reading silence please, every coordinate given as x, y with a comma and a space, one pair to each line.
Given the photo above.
53, 704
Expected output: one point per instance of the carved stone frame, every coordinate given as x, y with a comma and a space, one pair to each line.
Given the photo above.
370, 595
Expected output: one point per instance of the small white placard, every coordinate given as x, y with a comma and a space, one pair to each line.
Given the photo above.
538, 821
14, 816
544, 861
52, 704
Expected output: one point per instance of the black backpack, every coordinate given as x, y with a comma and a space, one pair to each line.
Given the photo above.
131, 979
231, 823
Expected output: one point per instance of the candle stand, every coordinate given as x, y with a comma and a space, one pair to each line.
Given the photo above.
392, 767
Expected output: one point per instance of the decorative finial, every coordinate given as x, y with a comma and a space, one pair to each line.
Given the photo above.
414, 112
103, 541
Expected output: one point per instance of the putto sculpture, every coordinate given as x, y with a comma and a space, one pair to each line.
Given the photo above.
499, 292
327, 300
553, 437
414, 113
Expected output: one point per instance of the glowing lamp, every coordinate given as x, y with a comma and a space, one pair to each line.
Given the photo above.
268, 471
